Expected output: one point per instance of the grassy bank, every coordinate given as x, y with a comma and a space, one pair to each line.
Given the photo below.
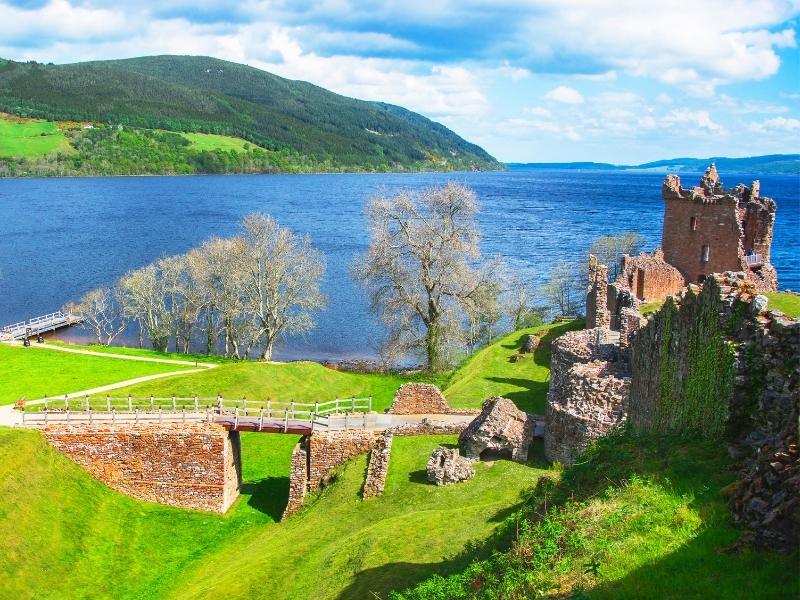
33, 372
786, 302
636, 518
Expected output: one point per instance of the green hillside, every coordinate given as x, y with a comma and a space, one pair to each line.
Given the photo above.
206, 95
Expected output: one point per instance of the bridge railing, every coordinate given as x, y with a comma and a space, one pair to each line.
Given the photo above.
77, 417
130, 405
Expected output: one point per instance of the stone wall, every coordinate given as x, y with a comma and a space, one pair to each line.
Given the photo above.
378, 466
298, 478
588, 393
418, 399
195, 466
650, 277
717, 364
597, 314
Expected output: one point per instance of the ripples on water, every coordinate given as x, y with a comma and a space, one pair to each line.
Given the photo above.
62, 237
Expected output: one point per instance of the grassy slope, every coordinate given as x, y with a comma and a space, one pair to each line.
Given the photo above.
210, 141
29, 138
490, 371
32, 373
144, 352
787, 303
82, 540
648, 515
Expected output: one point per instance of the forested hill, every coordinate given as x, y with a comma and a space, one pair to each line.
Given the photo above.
200, 94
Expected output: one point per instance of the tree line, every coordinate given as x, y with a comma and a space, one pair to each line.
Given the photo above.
424, 272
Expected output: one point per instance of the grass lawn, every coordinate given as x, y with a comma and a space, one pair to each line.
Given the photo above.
33, 372
787, 303
651, 307
490, 371
210, 142
143, 352
29, 138
81, 539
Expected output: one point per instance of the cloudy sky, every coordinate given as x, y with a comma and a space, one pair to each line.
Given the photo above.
536, 80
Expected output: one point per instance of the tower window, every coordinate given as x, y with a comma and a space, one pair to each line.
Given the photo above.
705, 253
693, 224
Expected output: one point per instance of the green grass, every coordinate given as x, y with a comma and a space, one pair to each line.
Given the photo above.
33, 372
786, 302
211, 142
651, 307
490, 371
81, 540
636, 518
143, 352
29, 138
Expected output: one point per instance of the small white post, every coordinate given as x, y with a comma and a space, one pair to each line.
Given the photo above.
151, 403
108, 403
174, 406
261, 419
66, 402
269, 409
196, 403
130, 403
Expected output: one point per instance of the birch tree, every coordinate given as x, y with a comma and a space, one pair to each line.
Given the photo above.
144, 296
102, 313
281, 279
423, 267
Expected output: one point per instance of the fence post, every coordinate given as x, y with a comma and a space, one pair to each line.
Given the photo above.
136, 418
130, 403
316, 409
291, 407
196, 403
369, 404
244, 404
88, 407
261, 419
353, 404
45, 402
151, 403
66, 402
269, 409
219, 402
108, 403
174, 406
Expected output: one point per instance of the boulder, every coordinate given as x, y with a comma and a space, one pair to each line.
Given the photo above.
501, 426
530, 343
446, 466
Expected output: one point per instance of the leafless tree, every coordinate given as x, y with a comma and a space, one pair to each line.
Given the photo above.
609, 249
518, 300
564, 290
102, 313
144, 295
281, 279
423, 267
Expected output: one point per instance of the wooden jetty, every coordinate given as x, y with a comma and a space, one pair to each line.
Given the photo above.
37, 325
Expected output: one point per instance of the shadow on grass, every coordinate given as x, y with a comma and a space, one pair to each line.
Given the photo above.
268, 496
532, 395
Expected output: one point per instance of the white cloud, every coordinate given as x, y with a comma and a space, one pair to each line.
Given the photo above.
775, 125
564, 94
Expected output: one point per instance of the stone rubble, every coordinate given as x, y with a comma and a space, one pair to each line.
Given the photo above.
500, 426
447, 466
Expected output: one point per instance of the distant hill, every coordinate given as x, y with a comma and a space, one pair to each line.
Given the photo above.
777, 164
207, 95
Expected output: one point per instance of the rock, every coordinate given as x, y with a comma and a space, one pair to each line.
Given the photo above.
759, 304
500, 426
446, 466
531, 343
517, 357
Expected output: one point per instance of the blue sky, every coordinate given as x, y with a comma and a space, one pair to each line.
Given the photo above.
621, 81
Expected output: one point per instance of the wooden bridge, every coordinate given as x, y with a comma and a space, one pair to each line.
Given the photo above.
240, 415
37, 325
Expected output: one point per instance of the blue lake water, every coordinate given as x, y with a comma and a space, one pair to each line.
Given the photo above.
62, 237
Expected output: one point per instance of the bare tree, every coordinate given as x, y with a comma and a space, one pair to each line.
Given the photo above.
484, 310
609, 249
102, 313
144, 296
282, 273
518, 300
563, 289
421, 268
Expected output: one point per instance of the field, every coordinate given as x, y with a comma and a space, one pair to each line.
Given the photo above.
29, 138
34, 372
210, 142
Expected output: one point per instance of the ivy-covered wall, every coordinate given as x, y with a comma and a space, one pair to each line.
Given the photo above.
682, 366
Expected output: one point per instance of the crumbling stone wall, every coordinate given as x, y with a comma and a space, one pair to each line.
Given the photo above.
423, 399
501, 426
597, 314
298, 478
418, 399
650, 276
195, 466
378, 466
589, 387
731, 224
717, 364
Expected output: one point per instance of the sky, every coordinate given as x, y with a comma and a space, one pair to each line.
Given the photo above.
620, 81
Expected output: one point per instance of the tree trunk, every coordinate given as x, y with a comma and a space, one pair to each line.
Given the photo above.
433, 347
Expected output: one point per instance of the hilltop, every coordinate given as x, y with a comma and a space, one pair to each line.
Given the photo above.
771, 164
286, 125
